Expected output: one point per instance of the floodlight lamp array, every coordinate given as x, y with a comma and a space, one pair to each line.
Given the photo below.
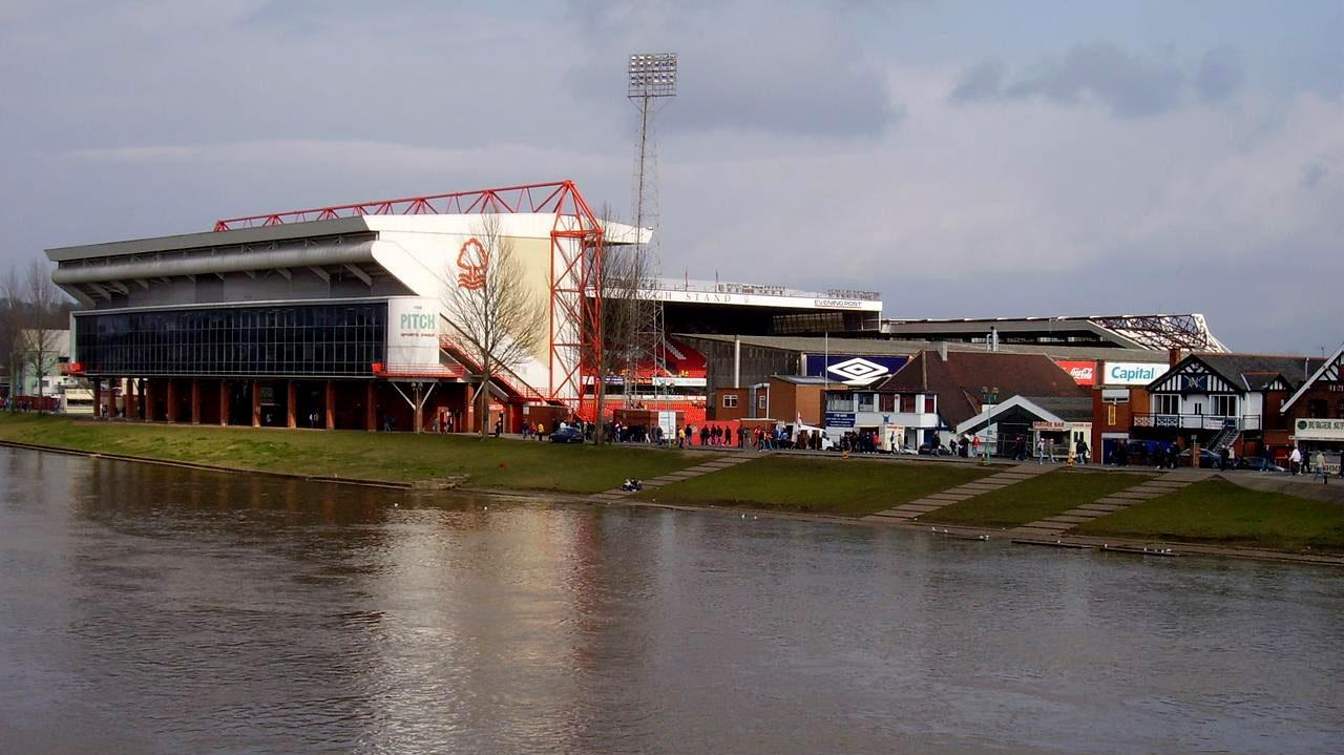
653, 74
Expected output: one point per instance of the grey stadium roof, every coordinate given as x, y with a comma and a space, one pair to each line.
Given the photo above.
890, 347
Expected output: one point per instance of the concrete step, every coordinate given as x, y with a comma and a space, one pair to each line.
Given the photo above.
1046, 524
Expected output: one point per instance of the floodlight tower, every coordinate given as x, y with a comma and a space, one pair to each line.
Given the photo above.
652, 81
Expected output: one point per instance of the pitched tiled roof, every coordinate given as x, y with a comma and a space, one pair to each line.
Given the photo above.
958, 380
1255, 371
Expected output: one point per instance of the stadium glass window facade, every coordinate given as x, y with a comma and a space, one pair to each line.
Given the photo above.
325, 339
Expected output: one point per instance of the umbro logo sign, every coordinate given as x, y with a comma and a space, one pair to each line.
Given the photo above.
857, 371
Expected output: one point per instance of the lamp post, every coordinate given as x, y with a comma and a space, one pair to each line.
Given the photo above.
989, 396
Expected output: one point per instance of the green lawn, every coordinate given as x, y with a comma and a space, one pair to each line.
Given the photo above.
1031, 500
1217, 511
383, 456
852, 487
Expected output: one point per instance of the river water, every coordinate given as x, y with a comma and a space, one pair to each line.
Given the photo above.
152, 609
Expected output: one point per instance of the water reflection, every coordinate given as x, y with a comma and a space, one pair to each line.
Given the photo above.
151, 608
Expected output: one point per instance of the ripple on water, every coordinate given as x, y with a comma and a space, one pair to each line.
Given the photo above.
176, 610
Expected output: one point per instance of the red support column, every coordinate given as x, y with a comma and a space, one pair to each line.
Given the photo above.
370, 413
170, 409
132, 400
147, 398
97, 398
291, 397
331, 405
223, 403
195, 401
256, 403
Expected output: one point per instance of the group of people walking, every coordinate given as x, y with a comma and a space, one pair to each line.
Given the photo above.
1312, 464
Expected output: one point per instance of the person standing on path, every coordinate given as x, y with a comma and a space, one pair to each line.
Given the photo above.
1295, 461
1320, 468
1040, 450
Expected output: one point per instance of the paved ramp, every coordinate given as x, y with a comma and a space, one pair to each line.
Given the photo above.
714, 464
914, 509
1158, 486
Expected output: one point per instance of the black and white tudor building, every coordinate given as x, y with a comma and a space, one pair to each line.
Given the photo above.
1225, 400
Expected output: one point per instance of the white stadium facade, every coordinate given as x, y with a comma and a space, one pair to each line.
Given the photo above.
334, 316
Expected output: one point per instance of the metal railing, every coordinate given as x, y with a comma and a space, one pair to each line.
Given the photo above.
1198, 421
757, 289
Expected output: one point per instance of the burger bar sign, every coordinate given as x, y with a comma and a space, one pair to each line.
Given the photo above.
1319, 429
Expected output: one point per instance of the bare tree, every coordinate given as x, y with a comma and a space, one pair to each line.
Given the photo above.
487, 300
45, 304
623, 288
12, 341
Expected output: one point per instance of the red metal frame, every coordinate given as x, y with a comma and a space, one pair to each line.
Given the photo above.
576, 261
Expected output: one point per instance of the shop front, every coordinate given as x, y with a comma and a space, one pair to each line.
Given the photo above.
1323, 435
1062, 438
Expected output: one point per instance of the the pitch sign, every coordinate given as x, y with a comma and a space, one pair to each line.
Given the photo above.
412, 331
1132, 373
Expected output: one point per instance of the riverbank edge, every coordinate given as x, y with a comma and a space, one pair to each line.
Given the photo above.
1117, 544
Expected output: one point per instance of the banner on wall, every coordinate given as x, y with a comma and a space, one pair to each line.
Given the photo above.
852, 369
412, 331
1132, 373
1082, 372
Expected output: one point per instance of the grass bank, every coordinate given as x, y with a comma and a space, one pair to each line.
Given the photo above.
1035, 499
1222, 513
380, 456
848, 487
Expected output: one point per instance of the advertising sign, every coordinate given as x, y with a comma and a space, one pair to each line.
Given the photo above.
1319, 429
1132, 373
853, 370
667, 420
839, 419
412, 331
1083, 373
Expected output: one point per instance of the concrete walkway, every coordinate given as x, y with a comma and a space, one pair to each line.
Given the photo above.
914, 509
1158, 486
1302, 486
718, 462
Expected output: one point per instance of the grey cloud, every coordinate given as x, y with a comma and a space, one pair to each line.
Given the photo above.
983, 81
1221, 74
789, 69
1313, 174
1129, 85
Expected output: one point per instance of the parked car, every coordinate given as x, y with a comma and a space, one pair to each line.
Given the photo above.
567, 435
1207, 459
929, 449
1259, 464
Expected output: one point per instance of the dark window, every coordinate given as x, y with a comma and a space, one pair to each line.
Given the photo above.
908, 403
1317, 408
886, 402
300, 340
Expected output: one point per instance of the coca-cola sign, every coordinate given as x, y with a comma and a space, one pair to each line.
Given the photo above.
1083, 373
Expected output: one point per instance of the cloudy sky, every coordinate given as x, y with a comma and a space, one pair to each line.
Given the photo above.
965, 158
